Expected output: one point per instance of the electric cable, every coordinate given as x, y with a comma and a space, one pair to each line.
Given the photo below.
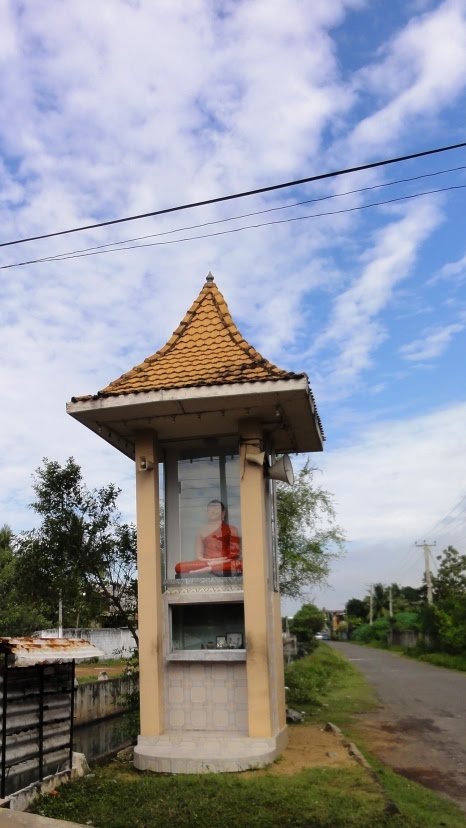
244, 194
61, 257
265, 210
449, 517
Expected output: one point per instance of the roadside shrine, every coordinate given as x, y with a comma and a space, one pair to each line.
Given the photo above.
207, 422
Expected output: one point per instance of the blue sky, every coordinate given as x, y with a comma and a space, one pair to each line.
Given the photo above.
130, 106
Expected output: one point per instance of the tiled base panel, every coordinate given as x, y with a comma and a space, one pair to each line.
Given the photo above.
210, 697
206, 724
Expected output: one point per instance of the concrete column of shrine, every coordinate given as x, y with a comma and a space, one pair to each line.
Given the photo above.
149, 585
256, 578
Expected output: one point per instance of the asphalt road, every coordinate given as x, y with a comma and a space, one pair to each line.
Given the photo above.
420, 726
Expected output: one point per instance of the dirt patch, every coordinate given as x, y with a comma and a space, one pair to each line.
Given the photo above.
310, 746
434, 779
87, 670
410, 725
406, 745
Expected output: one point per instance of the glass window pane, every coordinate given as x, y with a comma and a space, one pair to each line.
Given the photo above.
208, 626
208, 501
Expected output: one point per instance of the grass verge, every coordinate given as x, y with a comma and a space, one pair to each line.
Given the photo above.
117, 796
321, 798
336, 691
451, 662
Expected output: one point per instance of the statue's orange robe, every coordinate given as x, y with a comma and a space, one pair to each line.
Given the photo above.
223, 542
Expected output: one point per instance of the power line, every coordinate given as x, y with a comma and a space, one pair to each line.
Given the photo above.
450, 517
243, 194
409, 564
61, 257
258, 212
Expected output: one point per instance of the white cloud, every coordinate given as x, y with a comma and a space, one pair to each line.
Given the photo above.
422, 69
432, 344
398, 478
116, 108
354, 327
454, 271
393, 486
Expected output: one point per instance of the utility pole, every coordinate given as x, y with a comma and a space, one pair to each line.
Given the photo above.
60, 615
426, 547
371, 603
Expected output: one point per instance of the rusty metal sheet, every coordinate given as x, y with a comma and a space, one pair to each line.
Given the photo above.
26, 651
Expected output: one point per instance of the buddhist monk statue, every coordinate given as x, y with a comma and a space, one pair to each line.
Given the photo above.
217, 547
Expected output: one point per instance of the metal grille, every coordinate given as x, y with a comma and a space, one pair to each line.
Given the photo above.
36, 714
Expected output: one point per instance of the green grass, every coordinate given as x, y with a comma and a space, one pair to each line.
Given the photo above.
95, 666
451, 662
117, 796
103, 662
317, 798
419, 805
336, 690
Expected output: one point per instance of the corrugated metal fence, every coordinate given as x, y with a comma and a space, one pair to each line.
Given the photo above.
36, 710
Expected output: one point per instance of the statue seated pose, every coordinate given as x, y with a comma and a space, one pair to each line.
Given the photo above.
217, 547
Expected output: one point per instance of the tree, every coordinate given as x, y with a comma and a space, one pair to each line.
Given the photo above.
81, 553
357, 613
446, 619
308, 621
380, 601
450, 581
378, 631
18, 614
355, 608
308, 537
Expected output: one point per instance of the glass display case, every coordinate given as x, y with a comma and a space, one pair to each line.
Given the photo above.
207, 626
203, 521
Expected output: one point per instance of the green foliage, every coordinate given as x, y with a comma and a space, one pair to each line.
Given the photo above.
308, 678
406, 604
404, 621
19, 615
450, 619
308, 537
409, 597
446, 619
353, 624
308, 621
380, 601
357, 609
451, 662
81, 551
450, 581
346, 693
376, 632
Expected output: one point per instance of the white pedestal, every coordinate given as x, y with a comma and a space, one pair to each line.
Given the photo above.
197, 751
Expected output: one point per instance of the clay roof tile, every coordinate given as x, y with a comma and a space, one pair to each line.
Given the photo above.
205, 349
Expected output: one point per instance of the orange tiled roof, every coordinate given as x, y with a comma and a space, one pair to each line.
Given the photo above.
206, 349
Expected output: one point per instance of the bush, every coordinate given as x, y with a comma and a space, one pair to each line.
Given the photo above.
307, 678
452, 662
405, 621
376, 632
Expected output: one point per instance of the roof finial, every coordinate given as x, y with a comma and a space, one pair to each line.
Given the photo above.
209, 277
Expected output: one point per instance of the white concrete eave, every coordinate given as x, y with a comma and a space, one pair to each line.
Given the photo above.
285, 407
26, 651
